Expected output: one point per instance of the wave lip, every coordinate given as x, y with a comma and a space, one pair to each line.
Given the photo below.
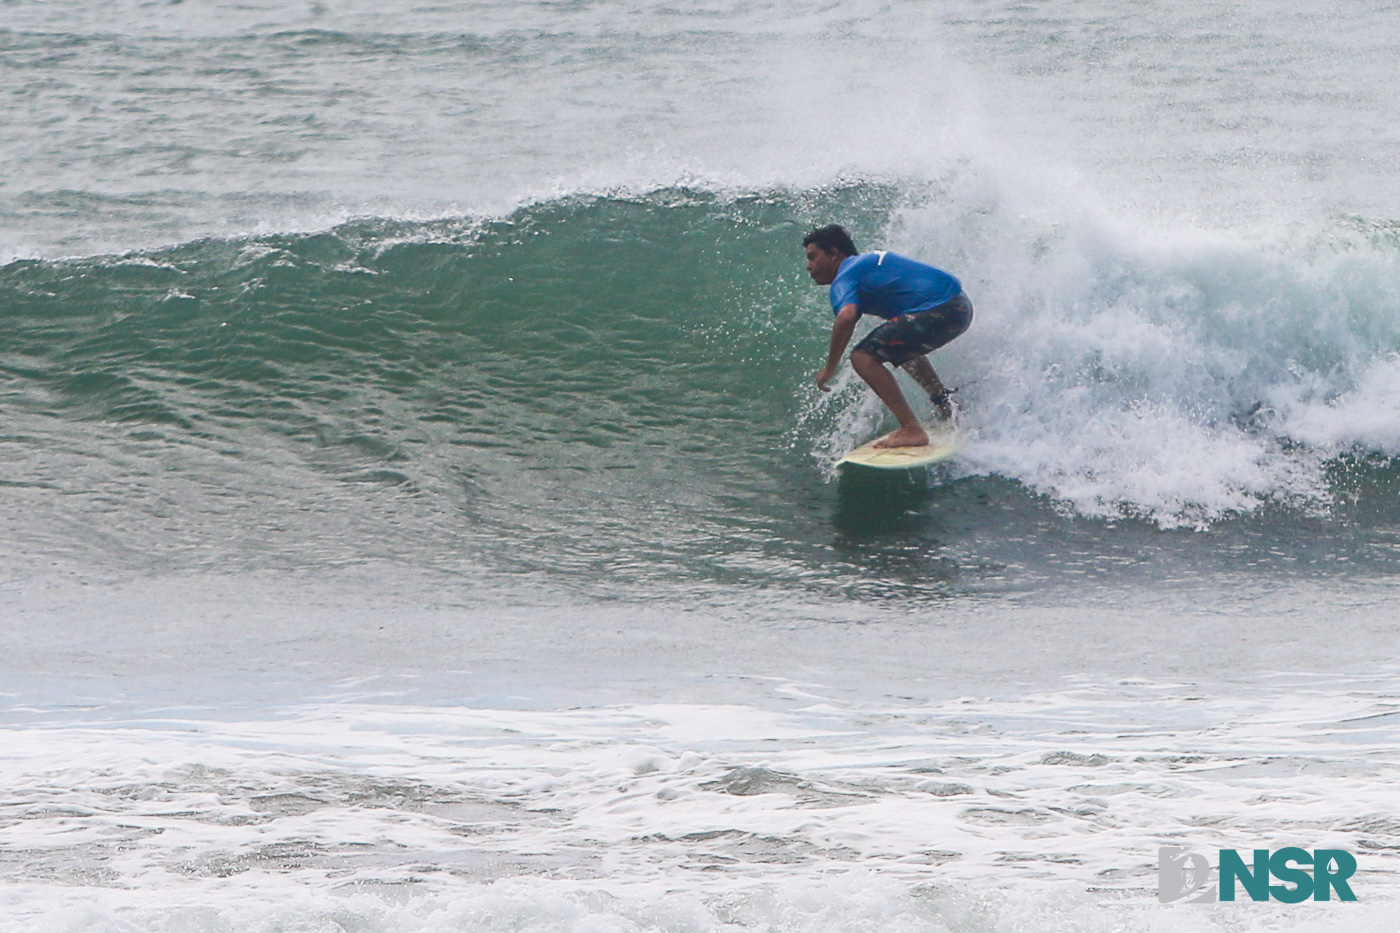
1179, 378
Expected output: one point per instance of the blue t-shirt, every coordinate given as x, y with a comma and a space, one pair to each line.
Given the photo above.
889, 285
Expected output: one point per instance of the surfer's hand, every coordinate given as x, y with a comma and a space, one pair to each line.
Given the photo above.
824, 377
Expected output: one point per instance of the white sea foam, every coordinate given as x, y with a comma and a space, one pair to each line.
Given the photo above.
1040, 811
1178, 376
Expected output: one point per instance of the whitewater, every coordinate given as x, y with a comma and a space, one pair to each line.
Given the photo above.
420, 515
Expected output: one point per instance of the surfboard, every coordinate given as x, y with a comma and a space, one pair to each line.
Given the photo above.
941, 445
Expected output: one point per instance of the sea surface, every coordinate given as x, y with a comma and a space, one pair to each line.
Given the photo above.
419, 514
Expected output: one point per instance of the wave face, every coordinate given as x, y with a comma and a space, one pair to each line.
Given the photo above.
617, 391
588, 385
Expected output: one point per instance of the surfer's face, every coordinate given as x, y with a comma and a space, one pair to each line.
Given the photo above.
822, 264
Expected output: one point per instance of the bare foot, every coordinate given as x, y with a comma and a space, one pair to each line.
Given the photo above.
905, 437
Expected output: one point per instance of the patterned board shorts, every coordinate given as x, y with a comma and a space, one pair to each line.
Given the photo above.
900, 339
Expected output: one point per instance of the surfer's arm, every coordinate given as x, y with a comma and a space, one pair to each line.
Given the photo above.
840, 336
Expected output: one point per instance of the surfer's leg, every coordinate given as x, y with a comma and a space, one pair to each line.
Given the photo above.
910, 433
922, 372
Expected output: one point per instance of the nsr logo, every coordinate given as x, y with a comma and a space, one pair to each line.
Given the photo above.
1181, 874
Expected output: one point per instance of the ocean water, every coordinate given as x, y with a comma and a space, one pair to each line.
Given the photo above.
420, 515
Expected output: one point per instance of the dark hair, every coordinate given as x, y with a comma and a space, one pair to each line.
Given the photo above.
831, 237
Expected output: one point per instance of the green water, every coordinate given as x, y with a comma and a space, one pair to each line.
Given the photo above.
606, 395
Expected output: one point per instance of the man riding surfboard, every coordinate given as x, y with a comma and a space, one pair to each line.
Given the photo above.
923, 308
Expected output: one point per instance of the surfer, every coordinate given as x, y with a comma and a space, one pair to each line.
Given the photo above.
923, 308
